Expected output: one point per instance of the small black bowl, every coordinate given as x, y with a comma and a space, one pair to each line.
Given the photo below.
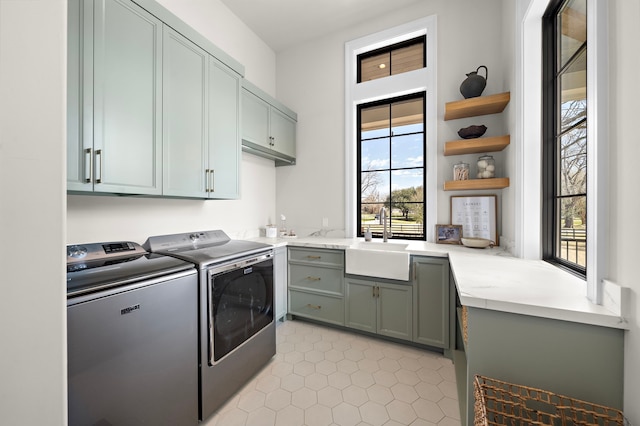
472, 132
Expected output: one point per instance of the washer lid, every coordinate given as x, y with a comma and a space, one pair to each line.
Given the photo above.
204, 247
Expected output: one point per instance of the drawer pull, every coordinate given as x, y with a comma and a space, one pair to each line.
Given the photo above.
314, 257
313, 278
309, 305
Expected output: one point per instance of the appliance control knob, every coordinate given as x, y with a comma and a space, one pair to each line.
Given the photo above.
77, 252
194, 237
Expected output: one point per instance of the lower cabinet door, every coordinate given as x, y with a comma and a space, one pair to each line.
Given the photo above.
395, 313
361, 305
382, 308
431, 302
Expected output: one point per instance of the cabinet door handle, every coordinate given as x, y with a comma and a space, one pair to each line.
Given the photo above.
88, 160
313, 278
206, 180
318, 307
213, 180
314, 257
99, 163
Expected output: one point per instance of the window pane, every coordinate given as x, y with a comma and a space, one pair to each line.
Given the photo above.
572, 25
375, 67
375, 154
407, 117
374, 122
407, 203
407, 151
572, 173
374, 187
572, 241
573, 93
407, 58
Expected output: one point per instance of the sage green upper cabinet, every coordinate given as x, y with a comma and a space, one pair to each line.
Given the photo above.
268, 127
431, 301
185, 115
201, 124
127, 99
224, 131
153, 106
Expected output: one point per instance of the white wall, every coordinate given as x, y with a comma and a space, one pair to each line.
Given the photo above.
32, 203
625, 203
99, 218
310, 80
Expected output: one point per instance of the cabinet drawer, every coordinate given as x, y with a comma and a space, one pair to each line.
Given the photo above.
317, 306
319, 256
316, 278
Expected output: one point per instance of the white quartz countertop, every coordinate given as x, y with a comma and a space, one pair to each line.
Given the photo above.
492, 279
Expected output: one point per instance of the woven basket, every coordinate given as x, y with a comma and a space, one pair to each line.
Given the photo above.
502, 403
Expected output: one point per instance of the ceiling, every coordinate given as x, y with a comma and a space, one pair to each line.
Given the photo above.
285, 23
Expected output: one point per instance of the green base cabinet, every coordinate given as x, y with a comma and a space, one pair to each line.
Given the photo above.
280, 282
579, 360
431, 304
316, 284
379, 307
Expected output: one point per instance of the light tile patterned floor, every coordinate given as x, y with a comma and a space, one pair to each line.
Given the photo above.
324, 376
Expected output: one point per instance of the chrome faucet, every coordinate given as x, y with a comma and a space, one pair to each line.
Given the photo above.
383, 218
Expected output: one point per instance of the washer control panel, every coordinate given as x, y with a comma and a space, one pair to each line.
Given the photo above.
82, 253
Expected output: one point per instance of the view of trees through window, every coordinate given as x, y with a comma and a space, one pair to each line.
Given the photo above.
391, 146
567, 132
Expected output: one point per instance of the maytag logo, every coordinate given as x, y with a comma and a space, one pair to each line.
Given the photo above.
129, 309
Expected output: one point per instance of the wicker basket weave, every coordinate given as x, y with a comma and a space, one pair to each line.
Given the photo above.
502, 403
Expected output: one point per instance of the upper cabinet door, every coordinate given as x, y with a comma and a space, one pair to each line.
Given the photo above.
127, 99
224, 132
283, 133
79, 95
185, 104
255, 120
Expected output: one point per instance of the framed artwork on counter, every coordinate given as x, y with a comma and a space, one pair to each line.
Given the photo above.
476, 214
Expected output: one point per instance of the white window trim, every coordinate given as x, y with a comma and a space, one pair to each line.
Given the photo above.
422, 80
528, 178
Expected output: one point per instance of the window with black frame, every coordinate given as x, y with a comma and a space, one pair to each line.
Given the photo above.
391, 166
565, 134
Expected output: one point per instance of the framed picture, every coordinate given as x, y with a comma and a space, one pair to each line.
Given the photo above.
448, 234
476, 214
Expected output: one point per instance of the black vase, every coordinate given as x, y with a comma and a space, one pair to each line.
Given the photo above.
474, 84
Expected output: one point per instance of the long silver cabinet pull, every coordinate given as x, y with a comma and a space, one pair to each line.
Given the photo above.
206, 180
88, 161
99, 163
212, 175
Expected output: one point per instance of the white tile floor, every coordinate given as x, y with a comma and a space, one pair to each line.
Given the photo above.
324, 376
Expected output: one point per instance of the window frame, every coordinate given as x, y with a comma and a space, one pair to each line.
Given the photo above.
390, 49
390, 169
597, 147
421, 80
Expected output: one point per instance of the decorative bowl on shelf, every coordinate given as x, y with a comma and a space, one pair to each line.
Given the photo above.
474, 242
472, 131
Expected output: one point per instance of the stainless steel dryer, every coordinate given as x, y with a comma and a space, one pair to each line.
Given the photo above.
132, 337
237, 328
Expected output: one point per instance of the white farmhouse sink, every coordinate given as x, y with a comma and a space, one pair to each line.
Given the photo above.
382, 260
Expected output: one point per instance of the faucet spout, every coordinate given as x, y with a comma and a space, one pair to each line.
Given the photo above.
383, 218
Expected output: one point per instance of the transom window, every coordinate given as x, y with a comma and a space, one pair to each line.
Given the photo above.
391, 60
391, 166
565, 133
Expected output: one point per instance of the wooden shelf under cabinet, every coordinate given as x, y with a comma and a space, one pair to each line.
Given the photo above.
476, 146
481, 105
460, 185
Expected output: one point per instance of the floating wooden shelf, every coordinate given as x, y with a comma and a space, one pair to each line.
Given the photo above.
482, 105
476, 146
461, 185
